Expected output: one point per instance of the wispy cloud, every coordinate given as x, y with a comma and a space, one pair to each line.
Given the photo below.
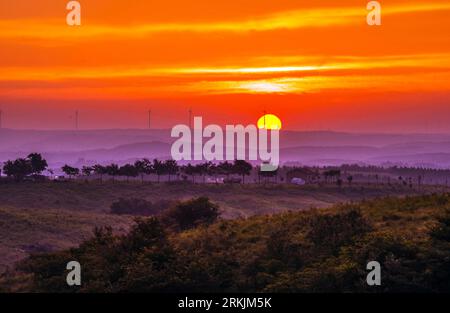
314, 84
404, 73
320, 17
284, 66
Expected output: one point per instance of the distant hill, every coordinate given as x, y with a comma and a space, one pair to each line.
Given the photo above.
308, 148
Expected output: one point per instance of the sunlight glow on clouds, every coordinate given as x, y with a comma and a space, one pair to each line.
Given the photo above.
323, 17
202, 52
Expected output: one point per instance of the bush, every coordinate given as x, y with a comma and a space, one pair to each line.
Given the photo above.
442, 230
335, 230
190, 214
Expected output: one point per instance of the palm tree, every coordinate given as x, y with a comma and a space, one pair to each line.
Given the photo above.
143, 167
158, 168
202, 170
212, 170
242, 168
190, 171
100, 170
225, 168
113, 170
128, 170
171, 168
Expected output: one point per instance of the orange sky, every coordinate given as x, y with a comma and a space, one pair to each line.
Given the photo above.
315, 64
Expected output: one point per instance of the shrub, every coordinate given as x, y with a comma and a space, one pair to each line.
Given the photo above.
190, 214
442, 230
335, 230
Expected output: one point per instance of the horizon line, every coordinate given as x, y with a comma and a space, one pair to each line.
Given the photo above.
282, 130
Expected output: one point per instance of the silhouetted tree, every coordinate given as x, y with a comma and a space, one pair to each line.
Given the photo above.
225, 168
189, 170
243, 168
18, 169
144, 167
202, 170
87, 170
213, 170
171, 168
159, 168
70, 171
128, 170
38, 164
100, 170
190, 214
113, 170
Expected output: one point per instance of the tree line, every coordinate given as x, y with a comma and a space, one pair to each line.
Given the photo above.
167, 168
34, 165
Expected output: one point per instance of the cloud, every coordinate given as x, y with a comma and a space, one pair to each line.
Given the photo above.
293, 19
284, 65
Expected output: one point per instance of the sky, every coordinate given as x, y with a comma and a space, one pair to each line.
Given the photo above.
317, 65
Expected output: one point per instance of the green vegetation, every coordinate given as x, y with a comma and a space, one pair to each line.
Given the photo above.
190, 214
312, 251
70, 171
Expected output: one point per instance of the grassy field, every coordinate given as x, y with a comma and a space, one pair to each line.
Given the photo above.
234, 200
41, 217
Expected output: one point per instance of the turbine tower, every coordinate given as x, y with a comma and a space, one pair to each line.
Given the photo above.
149, 119
76, 120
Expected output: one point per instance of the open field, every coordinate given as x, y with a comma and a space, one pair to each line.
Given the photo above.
40, 217
24, 231
235, 200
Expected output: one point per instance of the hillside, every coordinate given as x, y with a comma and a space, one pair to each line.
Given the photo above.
39, 217
311, 251
29, 230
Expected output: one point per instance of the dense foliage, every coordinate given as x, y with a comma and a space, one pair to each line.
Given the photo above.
314, 251
33, 164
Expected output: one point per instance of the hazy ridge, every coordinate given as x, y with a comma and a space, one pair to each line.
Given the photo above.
308, 148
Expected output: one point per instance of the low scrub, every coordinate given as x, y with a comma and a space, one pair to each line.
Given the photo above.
316, 251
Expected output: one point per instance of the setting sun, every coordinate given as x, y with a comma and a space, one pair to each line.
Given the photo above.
270, 122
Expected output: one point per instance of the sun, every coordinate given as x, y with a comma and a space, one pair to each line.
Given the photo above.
270, 122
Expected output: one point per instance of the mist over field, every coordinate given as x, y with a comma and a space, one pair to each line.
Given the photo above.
314, 148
